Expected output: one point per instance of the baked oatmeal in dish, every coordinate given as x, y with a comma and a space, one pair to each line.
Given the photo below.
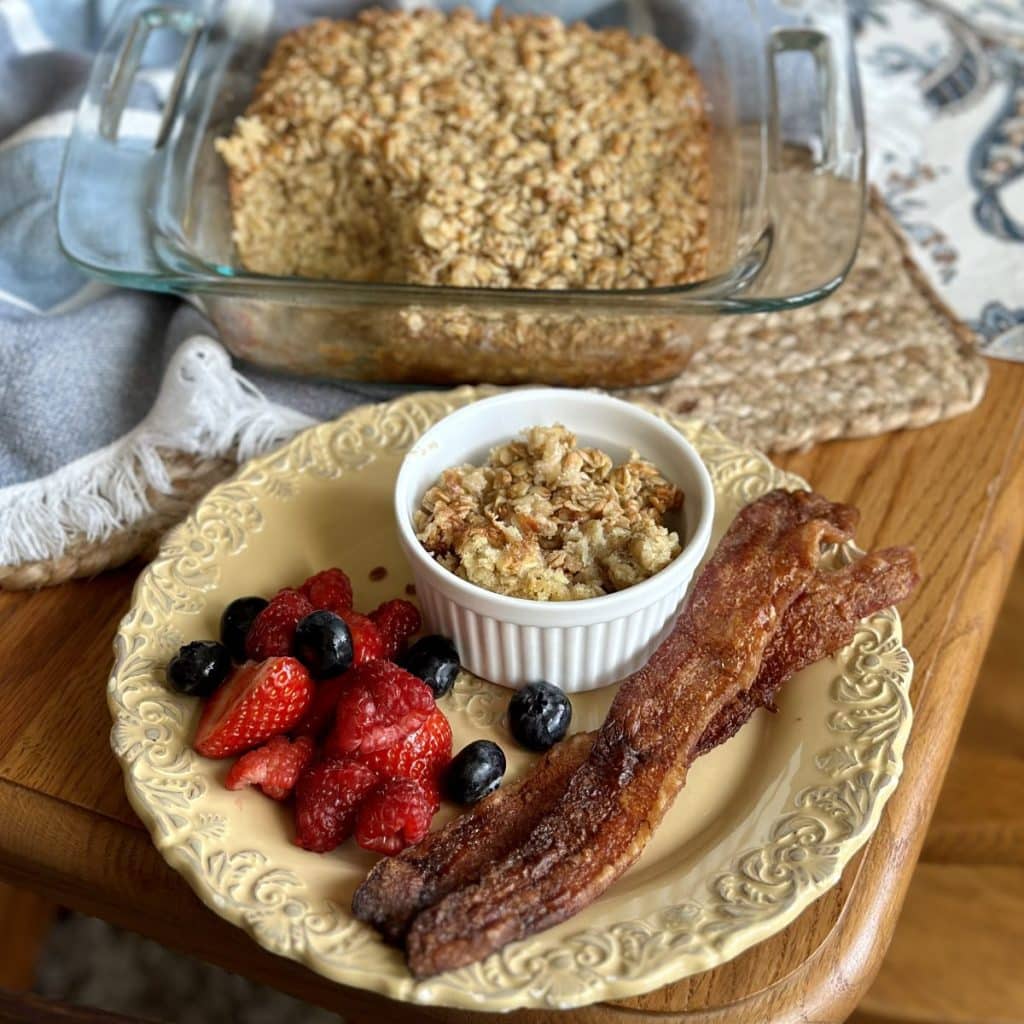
548, 520
440, 149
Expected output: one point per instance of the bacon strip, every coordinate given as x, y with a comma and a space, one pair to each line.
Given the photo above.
398, 888
818, 623
638, 762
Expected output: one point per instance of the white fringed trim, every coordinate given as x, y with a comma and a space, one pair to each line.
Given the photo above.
204, 408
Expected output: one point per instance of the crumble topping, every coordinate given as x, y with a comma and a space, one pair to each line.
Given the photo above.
440, 149
547, 520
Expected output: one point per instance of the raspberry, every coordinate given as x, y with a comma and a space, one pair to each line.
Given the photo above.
320, 715
273, 630
275, 767
394, 816
367, 643
381, 705
397, 621
330, 589
432, 791
421, 756
327, 799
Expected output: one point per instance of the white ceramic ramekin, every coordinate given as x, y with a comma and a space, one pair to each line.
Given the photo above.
578, 645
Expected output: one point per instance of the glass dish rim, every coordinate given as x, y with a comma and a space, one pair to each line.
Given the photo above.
184, 273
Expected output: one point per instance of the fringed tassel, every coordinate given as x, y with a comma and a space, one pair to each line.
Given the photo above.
204, 408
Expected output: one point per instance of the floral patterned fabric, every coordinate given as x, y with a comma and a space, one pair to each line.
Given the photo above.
944, 92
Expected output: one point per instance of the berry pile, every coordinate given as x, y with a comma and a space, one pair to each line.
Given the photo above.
336, 710
319, 711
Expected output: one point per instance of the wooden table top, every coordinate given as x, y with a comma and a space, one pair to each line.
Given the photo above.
955, 490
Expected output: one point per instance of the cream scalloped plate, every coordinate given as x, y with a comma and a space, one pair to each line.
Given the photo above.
764, 825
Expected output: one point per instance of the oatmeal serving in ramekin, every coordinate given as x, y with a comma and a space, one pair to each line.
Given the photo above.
547, 519
566, 503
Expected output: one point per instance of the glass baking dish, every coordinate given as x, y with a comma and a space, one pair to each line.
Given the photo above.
146, 205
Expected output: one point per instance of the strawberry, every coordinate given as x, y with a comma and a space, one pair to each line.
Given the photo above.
396, 621
330, 589
259, 700
421, 756
367, 643
273, 630
381, 705
327, 799
274, 767
320, 716
394, 815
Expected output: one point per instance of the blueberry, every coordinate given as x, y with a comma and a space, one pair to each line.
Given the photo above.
434, 660
236, 622
539, 715
323, 644
475, 771
199, 668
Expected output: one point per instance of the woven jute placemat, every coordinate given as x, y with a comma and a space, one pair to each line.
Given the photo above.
881, 354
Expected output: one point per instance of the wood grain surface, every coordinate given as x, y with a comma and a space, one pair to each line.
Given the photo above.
28, 1009
967, 919
955, 490
965, 906
25, 919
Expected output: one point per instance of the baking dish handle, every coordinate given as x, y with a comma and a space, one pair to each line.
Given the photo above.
816, 157
116, 155
128, 59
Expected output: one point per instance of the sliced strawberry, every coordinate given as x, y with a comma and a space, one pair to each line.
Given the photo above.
274, 767
421, 756
327, 799
273, 630
258, 700
394, 816
381, 705
367, 642
320, 716
396, 620
330, 589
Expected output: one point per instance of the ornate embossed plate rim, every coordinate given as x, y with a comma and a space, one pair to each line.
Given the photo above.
746, 902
